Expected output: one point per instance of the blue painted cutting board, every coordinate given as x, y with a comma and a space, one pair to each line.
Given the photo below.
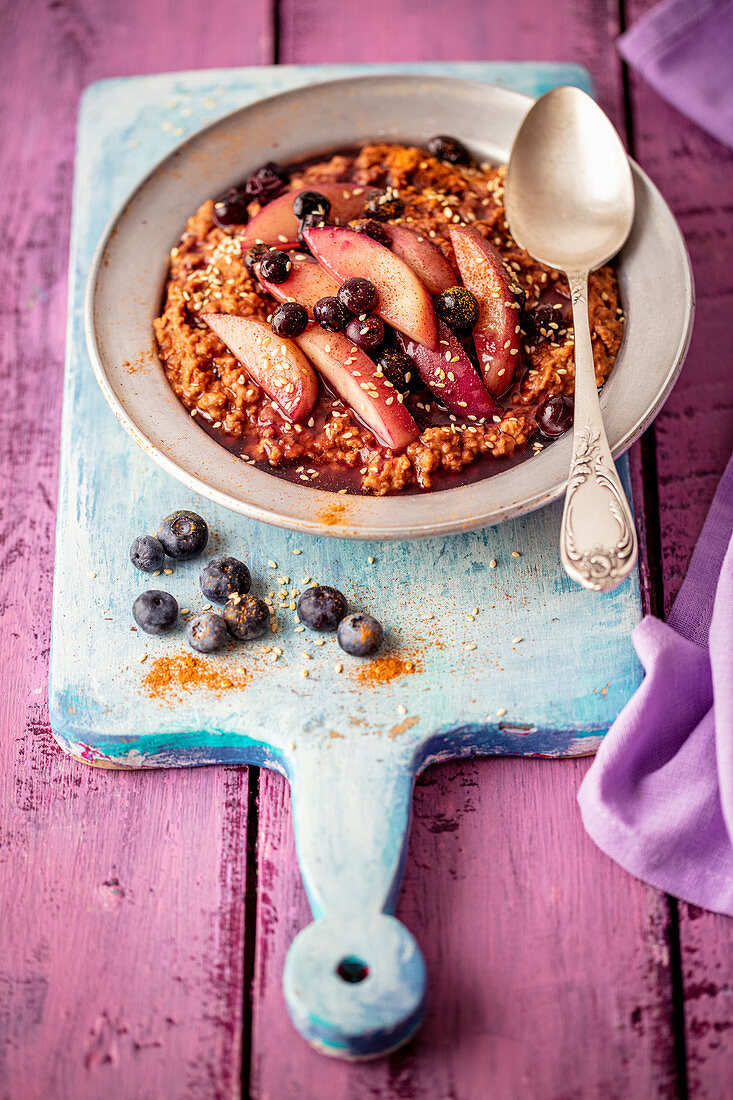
494, 650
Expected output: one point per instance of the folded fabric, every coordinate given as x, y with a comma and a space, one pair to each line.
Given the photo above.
658, 798
684, 49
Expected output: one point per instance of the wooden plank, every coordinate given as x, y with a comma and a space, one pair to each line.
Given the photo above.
549, 967
694, 437
121, 896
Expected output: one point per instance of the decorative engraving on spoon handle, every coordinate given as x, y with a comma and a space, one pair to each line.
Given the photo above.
597, 540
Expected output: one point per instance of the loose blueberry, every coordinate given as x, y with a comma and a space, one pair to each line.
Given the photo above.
367, 334
311, 202
397, 367
247, 617
384, 205
449, 149
155, 612
221, 578
231, 208
555, 416
458, 307
360, 635
253, 256
183, 535
266, 183
331, 314
275, 266
322, 608
373, 229
289, 319
206, 632
147, 554
358, 295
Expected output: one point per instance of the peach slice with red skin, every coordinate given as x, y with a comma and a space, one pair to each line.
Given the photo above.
403, 301
451, 376
422, 256
273, 362
306, 284
497, 333
360, 383
276, 224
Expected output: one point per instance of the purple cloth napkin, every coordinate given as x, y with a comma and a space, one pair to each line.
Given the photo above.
658, 798
684, 49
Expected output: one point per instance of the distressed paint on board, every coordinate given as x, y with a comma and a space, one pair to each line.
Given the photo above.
452, 702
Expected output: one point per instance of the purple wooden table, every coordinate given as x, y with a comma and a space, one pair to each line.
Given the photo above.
144, 919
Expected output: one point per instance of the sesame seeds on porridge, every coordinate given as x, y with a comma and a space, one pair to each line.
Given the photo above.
339, 445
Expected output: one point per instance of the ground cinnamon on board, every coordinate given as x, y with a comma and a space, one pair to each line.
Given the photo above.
383, 669
184, 672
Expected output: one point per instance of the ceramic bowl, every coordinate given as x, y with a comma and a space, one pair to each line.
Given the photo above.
129, 271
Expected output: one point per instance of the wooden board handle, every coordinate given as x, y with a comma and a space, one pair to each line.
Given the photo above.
354, 979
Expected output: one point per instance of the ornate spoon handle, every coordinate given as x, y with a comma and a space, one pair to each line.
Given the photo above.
597, 539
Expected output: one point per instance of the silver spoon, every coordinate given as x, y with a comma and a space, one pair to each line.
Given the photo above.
569, 200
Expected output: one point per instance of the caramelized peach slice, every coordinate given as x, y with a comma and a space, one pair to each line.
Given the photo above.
422, 256
360, 383
497, 334
403, 301
274, 363
276, 224
451, 376
306, 283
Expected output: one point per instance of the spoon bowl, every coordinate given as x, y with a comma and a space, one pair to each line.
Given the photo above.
569, 189
569, 200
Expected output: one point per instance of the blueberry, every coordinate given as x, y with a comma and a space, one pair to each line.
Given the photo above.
266, 183
458, 307
306, 222
357, 295
384, 205
373, 229
331, 314
253, 256
146, 553
322, 608
449, 149
367, 334
275, 266
155, 612
221, 578
555, 416
289, 319
231, 208
311, 202
397, 367
183, 535
246, 617
206, 632
537, 324
360, 635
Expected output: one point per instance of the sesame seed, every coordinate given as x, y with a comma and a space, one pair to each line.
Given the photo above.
501, 712
272, 564
493, 563
516, 554
401, 709
92, 575
371, 561
304, 673
469, 645
296, 552
167, 572
338, 668
299, 629
143, 658
156, 573
516, 641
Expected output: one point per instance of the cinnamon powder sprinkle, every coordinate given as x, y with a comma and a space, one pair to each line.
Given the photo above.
383, 669
170, 675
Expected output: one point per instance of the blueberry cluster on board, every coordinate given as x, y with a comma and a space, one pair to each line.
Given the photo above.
226, 581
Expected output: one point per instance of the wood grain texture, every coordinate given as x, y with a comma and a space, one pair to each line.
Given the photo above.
514, 908
694, 438
121, 896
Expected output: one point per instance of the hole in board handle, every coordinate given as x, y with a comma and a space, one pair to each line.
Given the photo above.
352, 970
